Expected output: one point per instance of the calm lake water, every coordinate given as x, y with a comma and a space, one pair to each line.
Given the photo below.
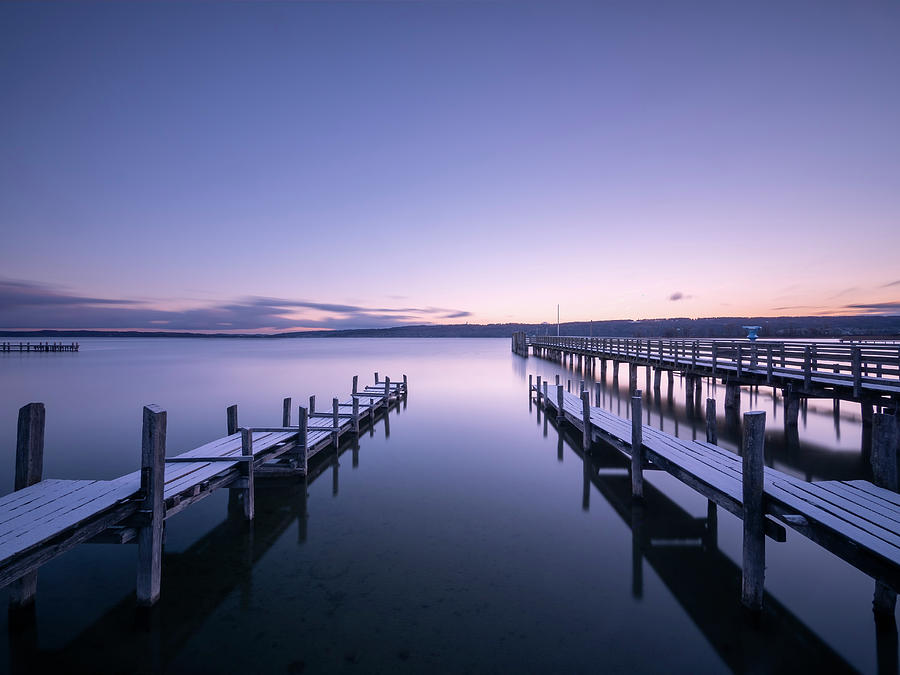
470, 536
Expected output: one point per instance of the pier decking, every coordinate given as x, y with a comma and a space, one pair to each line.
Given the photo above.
38, 347
44, 518
856, 520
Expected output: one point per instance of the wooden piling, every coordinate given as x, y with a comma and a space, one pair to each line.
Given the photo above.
732, 395
754, 550
312, 404
560, 415
336, 421
149, 538
302, 433
29, 469
356, 415
231, 419
356, 383
637, 448
586, 419
286, 412
712, 435
537, 390
632, 376
884, 451
248, 490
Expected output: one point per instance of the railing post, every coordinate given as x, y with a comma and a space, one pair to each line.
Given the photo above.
715, 357
286, 412
768, 364
637, 448
807, 367
739, 356
586, 419
355, 383
856, 369
753, 479
312, 404
153, 483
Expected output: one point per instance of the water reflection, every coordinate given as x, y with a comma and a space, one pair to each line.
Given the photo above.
829, 442
683, 551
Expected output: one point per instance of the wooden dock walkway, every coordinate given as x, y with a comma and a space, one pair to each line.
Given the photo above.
856, 520
865, 373
44, 518
38, 347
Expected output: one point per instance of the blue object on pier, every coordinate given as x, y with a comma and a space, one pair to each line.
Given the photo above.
752, 332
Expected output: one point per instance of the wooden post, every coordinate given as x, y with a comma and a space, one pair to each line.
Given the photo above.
856, 369
29, 469
336, 420
715, 357
303, 435
355, 383
739, 359
545, 396
405, 386
597, 390
637, 448
586, 419
754, 558
387, 393
711, 433
538, 390
732, 395
807, 367
657, 376
312, 404
286, 412
376, 377
769, 364
560, 415
884, 451
530, 385
231, 419
356, 415
153, 482
632, 376
248, 492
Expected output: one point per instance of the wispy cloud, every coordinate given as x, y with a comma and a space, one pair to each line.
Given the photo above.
893, 283
25, 304
886, 308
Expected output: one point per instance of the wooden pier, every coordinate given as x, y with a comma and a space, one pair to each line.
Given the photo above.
44, 518
868, 374
856, 520
38, 347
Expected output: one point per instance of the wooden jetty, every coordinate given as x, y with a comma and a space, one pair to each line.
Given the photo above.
856, 520
868, 374
44, 518
38, 347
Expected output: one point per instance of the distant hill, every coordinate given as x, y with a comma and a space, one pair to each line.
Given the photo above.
773, 327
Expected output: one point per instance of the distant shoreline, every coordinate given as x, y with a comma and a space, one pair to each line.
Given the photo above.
772, 327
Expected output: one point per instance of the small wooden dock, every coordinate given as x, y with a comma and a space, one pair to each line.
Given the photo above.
856, 520
44, 518
38, 347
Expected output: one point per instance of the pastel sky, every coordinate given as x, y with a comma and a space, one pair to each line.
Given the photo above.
268, 166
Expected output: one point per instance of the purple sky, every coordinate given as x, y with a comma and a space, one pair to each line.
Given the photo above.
267, 166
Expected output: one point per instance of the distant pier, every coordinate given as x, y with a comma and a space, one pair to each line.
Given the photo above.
38, 347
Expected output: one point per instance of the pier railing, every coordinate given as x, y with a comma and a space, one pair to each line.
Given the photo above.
869, 366
39, 347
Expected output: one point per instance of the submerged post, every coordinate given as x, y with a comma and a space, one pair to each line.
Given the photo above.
754, 558
247, 471
231, 419
637, 448
286, 412
153, 457
586, 419
711, 433
29, 469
